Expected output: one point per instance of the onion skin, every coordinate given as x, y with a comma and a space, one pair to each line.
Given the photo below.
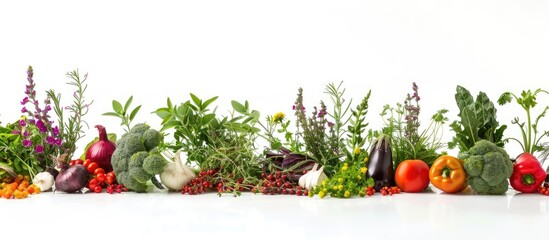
102, 150
71, 179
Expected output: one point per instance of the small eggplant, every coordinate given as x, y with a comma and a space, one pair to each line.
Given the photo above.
380, 163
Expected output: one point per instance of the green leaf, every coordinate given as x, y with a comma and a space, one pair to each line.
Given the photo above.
128, 103
506, 97
134, 112
238, 107
208, 118
169, 103
196, 100
117, 107
112, 114
256, 115
208, 102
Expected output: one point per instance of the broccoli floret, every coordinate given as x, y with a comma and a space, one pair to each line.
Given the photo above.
139, 129
122, 177
134, 144
154, 164
152, 139
137, 159
133, 184
140, 175
488, 167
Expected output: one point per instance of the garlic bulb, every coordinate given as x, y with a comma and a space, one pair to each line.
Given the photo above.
176, 174
313, 177
44, 181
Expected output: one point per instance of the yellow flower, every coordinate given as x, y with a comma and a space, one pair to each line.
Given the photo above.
359, 177
347, 194
340, 180
324, 183
345, 164
363, 170
365, 159
356, 151
340, 187
321, 194
278, 117
334, 187
344, 168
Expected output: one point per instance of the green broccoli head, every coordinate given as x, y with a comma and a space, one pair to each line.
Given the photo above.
139, 129
133, 144
137, 159
119, 160
133, 184
152, 138
488, 167
154, 164
140, 175
122, 177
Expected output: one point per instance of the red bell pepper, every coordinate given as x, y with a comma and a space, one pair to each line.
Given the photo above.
528, 175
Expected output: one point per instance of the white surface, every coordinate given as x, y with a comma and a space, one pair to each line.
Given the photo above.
158, 215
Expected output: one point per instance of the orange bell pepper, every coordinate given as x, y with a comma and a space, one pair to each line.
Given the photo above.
447, 174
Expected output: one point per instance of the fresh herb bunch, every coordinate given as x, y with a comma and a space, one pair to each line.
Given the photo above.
71, 126
402, 125
318, 134
125, 114
14, 157
477, 121
37, 131
225, 145
531, 142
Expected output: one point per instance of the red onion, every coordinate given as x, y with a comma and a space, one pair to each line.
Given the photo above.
71, 179
102, 150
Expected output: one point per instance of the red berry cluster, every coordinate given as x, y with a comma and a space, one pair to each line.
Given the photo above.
116, 188
370, 191
279, 183
544, 190
204, 182
98, 178
389, 191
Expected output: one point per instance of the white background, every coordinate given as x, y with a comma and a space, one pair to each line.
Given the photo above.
262, 51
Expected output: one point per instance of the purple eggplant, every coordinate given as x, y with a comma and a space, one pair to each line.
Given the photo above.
380, 163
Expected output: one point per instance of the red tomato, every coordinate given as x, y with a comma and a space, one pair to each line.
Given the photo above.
100, 177
98, 171
86, 163
412, 176
92, 184
92, 166
111, 174
97, 189
79, 161
72, 163
110, 180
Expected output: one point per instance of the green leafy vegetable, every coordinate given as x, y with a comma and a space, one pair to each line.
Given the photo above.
477, 121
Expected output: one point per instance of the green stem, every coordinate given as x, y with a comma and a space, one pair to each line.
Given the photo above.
528, 179
528, 144
446, 172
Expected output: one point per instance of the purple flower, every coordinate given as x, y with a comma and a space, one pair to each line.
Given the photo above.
22, 123
15, 132
50, 140
24, 110
330, 124
322, 113
58, 141
40, 125
39, 149
56, 131
27, 143
25, 101
293, 107
48, 108
25, 134
32, 121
